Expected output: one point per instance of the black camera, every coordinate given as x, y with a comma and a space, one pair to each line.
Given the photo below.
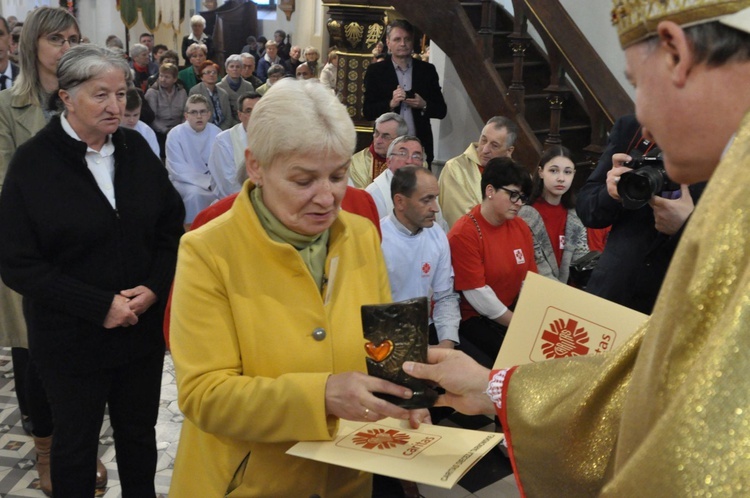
648, 178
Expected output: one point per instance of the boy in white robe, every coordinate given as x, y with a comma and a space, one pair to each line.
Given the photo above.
188, 149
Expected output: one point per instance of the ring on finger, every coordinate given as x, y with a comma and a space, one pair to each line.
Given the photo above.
367, 412
616, 180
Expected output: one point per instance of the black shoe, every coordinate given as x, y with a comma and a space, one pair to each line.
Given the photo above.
28, 426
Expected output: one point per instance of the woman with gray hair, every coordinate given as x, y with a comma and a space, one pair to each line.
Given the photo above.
233, 83
47, 34
265, 328
141, 66
90, 225
311, 56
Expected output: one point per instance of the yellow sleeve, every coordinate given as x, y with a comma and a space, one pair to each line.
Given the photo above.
213, 391
452, 197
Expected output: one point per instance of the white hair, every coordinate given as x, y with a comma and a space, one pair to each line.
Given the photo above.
322, 123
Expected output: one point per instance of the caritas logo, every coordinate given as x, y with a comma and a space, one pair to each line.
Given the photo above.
565, 339
562, 334
387, 441
380, 438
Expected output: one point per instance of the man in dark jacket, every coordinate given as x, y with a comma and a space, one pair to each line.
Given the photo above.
405, 85
642, 241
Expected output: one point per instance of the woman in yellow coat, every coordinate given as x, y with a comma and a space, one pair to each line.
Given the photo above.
266, 330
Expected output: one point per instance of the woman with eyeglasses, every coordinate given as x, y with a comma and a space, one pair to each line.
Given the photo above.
492, 250
559, 234
221, 109
47, 34
90, 225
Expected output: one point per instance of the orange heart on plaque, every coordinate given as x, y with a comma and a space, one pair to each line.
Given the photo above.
381, 351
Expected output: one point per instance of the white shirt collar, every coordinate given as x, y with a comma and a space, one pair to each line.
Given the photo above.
107, 149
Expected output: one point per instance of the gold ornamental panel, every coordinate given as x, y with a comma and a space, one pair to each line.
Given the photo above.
354, 32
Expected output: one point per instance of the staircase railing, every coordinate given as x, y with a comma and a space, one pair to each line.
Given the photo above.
571, 54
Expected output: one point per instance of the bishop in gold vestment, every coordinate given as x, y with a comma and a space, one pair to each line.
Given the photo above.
667, 414
670, 411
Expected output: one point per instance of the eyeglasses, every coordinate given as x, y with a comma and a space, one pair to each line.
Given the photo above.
248, 66
249, 111
202, 112
515, 195
212, 72
404, 154
59, 40
377, 134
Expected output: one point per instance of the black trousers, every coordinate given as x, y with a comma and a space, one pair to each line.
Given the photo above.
20, 366
77, 402
32, 400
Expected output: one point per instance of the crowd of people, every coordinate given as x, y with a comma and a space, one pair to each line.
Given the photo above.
105, 160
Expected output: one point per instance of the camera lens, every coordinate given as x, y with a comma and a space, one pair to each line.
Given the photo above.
637, 187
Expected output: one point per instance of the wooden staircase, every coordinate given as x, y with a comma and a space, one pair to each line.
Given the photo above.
559, 91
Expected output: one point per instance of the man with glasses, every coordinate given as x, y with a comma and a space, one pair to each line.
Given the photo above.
228, 152
248, 69
461, 176
188, 149
404, 151
368, 163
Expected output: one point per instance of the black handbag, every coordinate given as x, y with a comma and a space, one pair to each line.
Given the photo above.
581, 269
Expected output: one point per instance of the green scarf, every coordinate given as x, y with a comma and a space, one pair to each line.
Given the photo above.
312, 248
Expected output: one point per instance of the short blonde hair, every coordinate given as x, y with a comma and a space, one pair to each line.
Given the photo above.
327, 128
196, 46
169, 68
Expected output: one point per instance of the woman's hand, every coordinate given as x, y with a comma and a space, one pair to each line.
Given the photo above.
464, 380
349, 395
140, 298
120, 314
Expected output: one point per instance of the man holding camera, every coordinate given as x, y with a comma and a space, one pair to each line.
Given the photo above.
405, 85
642, 240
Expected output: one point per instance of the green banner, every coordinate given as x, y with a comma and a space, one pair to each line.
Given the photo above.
129, 12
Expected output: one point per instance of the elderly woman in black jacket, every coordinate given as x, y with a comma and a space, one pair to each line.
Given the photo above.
90, 226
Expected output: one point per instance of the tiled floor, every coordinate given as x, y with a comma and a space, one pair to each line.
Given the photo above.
490, 478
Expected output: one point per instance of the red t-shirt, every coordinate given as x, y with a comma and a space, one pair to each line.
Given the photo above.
500, 258
597, 238
555, 218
